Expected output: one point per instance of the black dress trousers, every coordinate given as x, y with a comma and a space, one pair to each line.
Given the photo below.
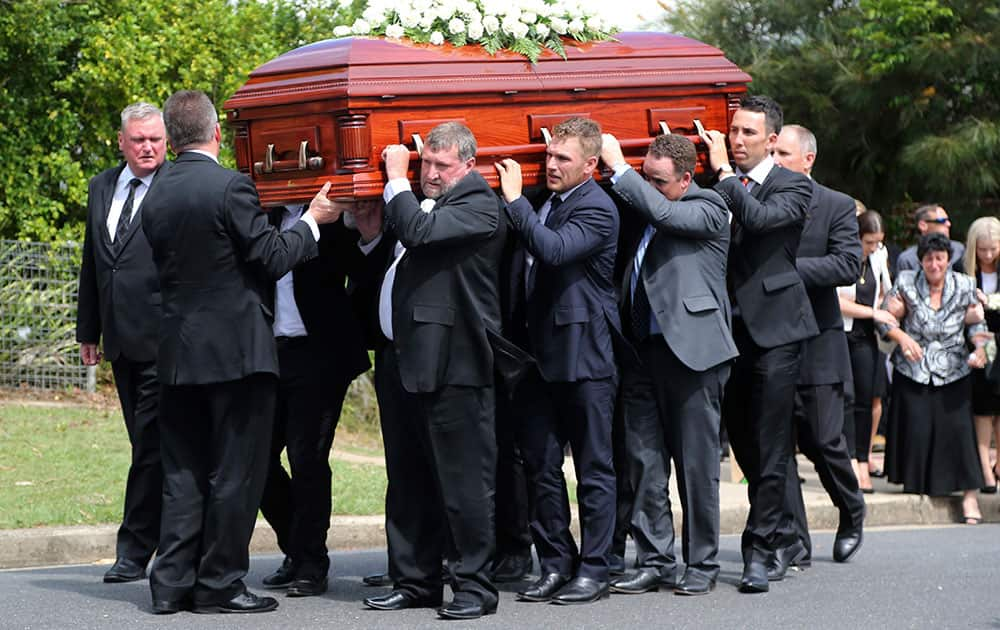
440, 451
139, 393
310, 397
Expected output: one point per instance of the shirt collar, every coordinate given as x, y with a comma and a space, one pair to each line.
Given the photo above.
760, 172
127, 175
565, 194
205, 153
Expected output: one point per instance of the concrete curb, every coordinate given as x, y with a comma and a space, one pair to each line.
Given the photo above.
46, 546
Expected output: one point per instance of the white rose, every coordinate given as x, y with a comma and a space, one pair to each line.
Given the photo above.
559, 25
409, 19
494, 7
595, 24
341, 31
576, 26
475, 30
360, 27
394, 31
437, 38
542, 30
528, 17
373, 15
456, 26
426, 20
491, 24
473, 15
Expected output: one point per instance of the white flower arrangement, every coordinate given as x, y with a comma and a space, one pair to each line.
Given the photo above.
526, 27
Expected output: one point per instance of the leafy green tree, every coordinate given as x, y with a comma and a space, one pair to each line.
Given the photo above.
903, 95
68, 67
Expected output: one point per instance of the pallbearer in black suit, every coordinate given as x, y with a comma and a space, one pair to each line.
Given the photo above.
439, 303
678, 317
119, 302
564, 270
321, 349
217, 259
771, 319
829, 256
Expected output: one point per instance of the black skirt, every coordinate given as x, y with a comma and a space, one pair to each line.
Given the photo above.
985, 401
931, 441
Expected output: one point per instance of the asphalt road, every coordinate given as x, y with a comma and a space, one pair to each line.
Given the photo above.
902, 578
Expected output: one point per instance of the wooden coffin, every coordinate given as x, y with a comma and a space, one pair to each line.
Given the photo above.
325, 111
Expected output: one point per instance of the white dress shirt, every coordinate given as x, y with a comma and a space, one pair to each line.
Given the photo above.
287, 319
121, 193
392, 188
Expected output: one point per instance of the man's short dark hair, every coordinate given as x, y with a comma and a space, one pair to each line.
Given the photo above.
587, 131
773, 118
677, 148
924, 212
190, 118
453, 134
933, 242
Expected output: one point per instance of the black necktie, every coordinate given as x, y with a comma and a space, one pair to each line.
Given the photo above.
126, 216
554, 204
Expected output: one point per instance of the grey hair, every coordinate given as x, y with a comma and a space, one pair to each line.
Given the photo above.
139, 111
452, 134
190, 118
807, 139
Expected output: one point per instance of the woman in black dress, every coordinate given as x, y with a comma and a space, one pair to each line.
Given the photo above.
931, 446
859, 306
981, 255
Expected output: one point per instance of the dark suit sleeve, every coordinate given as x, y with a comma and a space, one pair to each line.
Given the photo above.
841, 264
258, 241
694, 217
585, 231
88, 311
469, 212
785, 206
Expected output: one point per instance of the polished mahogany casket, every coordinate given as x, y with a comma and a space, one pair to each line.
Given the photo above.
325, 111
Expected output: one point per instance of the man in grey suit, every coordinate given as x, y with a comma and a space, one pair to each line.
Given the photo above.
674, 296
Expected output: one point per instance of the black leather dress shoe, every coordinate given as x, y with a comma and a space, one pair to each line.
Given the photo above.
754, 578
581, 590
694, 583
783, 558
466, 610
245, 602
124, 571
847, 543
377, 579
399, 600
511, 567
306, 587
544, 588
282, 577
169, 606
642, 581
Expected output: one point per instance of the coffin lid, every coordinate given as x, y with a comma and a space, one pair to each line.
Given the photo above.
376, 67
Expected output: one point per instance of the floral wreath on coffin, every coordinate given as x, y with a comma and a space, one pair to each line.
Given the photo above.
526, 27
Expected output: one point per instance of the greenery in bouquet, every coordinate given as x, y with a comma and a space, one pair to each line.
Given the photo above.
526, 27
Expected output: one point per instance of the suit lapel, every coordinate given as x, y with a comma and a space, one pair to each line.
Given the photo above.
136, 221
107, 196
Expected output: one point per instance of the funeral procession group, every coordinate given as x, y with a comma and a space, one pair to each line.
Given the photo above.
619, 309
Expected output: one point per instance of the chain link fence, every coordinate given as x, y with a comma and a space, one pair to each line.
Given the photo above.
38, 289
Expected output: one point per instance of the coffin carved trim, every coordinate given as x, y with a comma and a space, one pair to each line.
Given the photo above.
354, 141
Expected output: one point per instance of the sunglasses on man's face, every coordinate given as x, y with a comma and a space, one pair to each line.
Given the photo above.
941, 220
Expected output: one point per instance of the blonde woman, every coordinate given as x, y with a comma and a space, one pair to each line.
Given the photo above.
982, 253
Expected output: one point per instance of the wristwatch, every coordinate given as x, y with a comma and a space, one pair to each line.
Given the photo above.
725, 168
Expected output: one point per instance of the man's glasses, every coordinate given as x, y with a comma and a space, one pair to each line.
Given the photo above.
941, 220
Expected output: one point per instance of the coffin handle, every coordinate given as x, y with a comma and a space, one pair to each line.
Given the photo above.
302, 154
269, 159
699, 128
546, 135
664, 128
418, 143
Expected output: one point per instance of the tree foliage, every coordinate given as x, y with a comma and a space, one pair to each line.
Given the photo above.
903, 95
68, 67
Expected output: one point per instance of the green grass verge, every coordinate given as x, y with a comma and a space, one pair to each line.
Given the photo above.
67, 466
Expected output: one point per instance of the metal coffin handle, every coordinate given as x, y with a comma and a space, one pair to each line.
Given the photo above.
302, 162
